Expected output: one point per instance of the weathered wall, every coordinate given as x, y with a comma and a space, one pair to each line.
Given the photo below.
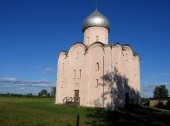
62, 83
95, 34
101, 72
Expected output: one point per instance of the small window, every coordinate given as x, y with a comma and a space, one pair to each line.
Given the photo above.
97, 82
63, 65
77, 55
126, 57
74, 74
79, 74
97, 38
97, 66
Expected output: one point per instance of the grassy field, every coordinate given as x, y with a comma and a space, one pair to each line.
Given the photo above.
43, 112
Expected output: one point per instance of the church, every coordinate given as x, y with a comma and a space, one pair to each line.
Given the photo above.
95, 73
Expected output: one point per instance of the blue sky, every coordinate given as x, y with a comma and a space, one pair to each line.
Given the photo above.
33, 32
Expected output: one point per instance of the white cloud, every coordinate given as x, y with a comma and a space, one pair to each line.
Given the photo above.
8, 80
160, 75
14, 85
48, 70
19, 81
151, 87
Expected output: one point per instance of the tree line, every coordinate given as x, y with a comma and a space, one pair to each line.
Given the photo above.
42, 93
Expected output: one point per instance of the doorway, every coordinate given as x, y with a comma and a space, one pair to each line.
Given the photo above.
76, 93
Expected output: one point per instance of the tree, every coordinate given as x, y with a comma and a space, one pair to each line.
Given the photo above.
29, 95
43, 92
53, 91
160, 92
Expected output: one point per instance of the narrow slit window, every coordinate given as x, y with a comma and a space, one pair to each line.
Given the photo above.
97, 66
88, 39
97, 38
74, 74
126, 57
79, 74
97, 82
63, 65
77, 55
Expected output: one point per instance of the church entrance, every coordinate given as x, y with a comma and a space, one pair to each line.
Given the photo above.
76, 97
76, 93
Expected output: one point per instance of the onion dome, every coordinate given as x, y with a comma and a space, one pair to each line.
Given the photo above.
96, 19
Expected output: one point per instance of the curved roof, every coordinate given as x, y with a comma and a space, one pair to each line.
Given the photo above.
137, 55
63, 54
100, 44
76, 45
96, 44
96, 19
127, 46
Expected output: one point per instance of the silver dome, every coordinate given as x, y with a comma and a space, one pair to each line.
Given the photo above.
96, 19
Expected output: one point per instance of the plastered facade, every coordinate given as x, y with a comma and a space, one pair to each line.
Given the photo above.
101, 72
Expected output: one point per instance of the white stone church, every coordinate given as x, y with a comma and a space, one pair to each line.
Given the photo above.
95, 73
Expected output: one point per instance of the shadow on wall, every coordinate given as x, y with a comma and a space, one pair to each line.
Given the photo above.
140, 116
117, 87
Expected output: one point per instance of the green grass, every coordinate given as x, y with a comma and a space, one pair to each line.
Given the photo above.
43, 112
37, 112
